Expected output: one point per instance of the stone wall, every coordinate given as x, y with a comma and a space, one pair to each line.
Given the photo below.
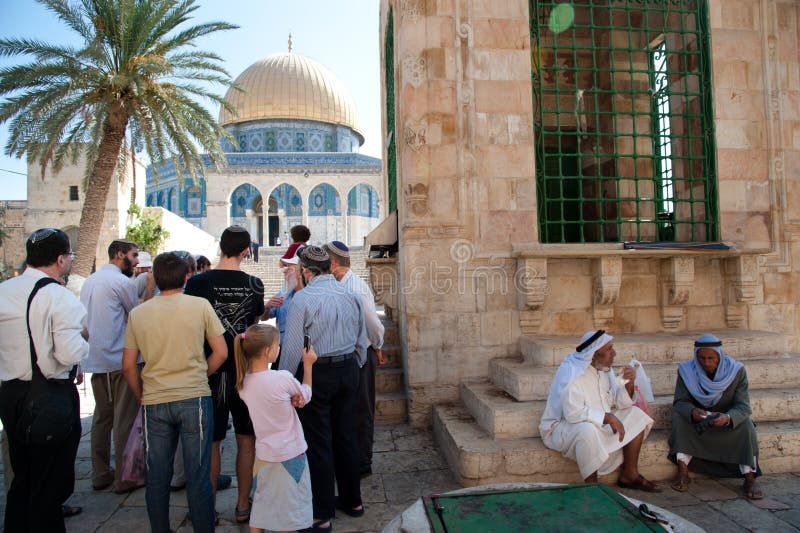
12, 249
49, 204
472, 276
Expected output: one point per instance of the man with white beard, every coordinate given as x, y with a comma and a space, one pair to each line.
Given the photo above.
278, 305
591, 419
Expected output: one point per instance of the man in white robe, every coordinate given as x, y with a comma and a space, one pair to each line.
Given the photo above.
591, 419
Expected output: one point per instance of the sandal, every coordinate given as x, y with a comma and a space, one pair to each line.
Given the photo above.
355, 513
640, 483
680, 483
751, 490
315, 527
242, 517
68, 511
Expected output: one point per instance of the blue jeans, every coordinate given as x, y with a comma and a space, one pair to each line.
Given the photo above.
191, 420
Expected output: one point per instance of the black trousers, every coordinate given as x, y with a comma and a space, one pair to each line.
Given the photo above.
44, 476
330, 425
366, 408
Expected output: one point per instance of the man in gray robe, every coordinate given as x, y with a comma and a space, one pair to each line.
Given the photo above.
712, 432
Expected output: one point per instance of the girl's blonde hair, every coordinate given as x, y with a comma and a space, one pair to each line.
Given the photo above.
250, 344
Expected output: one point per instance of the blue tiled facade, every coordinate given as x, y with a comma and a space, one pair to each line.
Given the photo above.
276, 147
324, 201
362, 200
291, 136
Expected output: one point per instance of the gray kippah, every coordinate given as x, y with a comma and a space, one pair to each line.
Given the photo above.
315, 253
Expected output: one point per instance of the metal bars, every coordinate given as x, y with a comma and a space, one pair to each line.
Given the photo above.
391, 144
623, 120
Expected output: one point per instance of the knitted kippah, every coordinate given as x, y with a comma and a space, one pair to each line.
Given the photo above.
315, 253
338, 248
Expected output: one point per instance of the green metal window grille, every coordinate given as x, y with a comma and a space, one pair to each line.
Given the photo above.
391, 146
624, 132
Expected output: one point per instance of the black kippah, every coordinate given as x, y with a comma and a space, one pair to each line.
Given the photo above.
599, 333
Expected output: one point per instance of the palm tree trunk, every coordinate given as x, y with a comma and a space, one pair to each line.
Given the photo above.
94, 207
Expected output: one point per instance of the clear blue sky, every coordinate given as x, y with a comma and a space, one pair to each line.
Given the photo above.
342, 35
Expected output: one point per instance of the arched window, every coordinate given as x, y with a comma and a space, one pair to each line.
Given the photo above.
324, 201
194, 207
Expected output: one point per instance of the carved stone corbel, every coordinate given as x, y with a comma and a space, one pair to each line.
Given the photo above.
678, 275
531, 282
384, 279
607, 279
741, 276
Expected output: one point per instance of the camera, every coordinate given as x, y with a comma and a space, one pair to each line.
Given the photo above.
706, 423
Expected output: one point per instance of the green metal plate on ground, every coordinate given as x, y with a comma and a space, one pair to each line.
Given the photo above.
587, 507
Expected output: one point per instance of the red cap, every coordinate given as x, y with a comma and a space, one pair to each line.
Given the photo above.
292, 250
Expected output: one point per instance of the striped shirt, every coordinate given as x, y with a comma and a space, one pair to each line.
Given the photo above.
374, 327
332, 315
108, 296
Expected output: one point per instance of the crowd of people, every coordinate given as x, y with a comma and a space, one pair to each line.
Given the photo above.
184, 345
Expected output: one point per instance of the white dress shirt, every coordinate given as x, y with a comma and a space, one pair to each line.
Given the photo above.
374, 326
57, 318
108, 296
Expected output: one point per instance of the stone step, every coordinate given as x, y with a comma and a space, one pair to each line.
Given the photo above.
502, 417
392, 354
391, 407
389, 380
391, 335
526, 381
477, 459
657, 347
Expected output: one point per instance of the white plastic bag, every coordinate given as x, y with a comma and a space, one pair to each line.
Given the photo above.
642, 382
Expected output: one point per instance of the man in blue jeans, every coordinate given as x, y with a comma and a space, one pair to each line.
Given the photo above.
169, 331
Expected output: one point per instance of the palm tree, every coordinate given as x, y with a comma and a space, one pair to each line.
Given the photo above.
136, 81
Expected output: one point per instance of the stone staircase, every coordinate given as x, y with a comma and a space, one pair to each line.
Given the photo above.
268, 268
391, 405
493, 436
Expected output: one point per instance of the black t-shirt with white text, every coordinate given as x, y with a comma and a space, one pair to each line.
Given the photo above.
237, 298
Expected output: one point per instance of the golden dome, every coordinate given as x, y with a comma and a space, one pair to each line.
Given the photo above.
290, 86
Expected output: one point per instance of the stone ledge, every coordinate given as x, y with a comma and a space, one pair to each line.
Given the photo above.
526, 381
593, 250
546, 350
477, 459
502, 417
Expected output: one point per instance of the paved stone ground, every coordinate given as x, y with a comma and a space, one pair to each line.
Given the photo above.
408, 465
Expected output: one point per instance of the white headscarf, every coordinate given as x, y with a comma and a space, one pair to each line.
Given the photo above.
573, 367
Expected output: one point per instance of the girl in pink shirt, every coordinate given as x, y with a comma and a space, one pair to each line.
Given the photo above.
282, 501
